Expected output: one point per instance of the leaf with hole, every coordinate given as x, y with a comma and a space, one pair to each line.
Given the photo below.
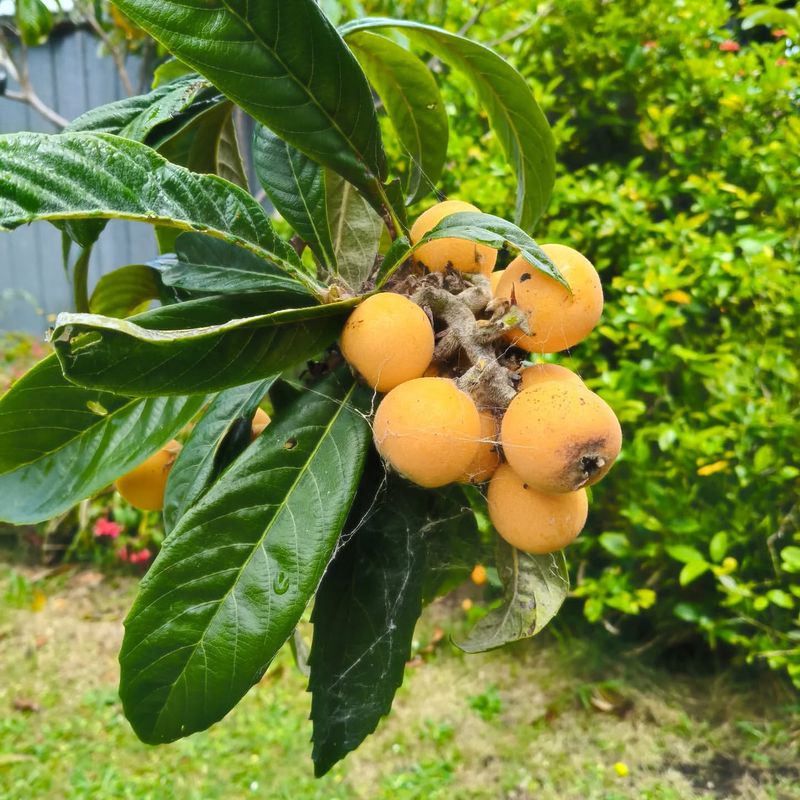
235, 575
215, 442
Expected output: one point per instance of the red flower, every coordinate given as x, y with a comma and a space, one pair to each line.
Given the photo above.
779, 33
105, 527
729, 46
122, 554
650, 44
141, 556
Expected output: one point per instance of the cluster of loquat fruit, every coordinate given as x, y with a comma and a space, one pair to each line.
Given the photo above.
536, 433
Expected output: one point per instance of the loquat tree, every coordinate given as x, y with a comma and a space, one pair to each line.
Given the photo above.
362, 504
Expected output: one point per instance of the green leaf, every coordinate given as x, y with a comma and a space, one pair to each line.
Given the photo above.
364, 615
615, 543
124, 291
399, 251
203, 264
86, 175
215, 441
235, 575
296, 186
201, 345
718, 546
684, 553
780, 598
414, 105
356, 231
169, 71
497, 233
208, 145
790, 559
692, 571
60, 443
291, 71
518, 122
139, 116
34, 21
534, 587
368, 603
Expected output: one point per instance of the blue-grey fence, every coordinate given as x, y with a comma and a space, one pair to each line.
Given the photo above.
70, 77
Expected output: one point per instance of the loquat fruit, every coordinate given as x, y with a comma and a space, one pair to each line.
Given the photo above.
558, 318
428, 430
559, 436
460, 254
260, 421
541, 373
534, 521
388, 339
487, 459
143, 487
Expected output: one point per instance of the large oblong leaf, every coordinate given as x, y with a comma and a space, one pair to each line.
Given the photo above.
414, 105
203, 453
60, 443
203, 264
235, 575
100, 176
534, 587
296, 186
369, 601
124, 291
283, 63
198, 346
515, 116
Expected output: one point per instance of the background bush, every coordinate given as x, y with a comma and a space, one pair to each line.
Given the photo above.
678, 169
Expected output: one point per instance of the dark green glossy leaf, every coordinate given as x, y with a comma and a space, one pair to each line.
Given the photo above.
534, 588
34, 21
198, 346
60, 443
513, 112
296, 186
235, 575
291, 71
124, 291
203, 264
209, 448
495, 232
356, 230
86, 175
369, 601
414, 105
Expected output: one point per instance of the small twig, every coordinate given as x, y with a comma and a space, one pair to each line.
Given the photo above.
27, 94
116, 55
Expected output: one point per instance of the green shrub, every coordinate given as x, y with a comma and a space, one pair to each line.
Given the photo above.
678, 174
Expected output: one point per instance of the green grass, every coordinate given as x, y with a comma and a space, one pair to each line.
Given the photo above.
542, 720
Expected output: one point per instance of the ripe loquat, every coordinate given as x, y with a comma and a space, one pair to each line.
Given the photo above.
487, 459
460, 254
558, 318
559, 437
531, 520
143, 487
541, 373
388, 339
428, 430
260, 421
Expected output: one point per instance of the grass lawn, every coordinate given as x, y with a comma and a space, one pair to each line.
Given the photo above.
548, 720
